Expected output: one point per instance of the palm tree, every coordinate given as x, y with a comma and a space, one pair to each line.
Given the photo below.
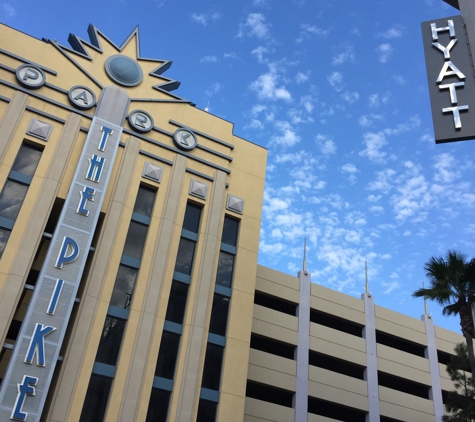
452, 285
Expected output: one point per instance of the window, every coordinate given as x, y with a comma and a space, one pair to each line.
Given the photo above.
184, 259
206, 411
167, 356
400, 344
192, 218
135, 241
177, 302
15, 189
158, 405
96, 399
219, 315
123, 287
336, 323
111, 339
335, 411
224, 276
230, 231
212, 367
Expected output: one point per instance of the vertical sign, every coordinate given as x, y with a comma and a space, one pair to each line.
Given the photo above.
451, 82
25, 386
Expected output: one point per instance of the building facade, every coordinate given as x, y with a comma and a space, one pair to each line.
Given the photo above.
129, 283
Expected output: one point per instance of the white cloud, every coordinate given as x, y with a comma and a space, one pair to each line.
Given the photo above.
384, 51
288, 137
300, 77
350, 170
384, 181
259, 54
232, 56
208, 59
204, 18
254, 124
336, 80
374, 143
213, 89
307, 31
8, 11
294, 158
446, 169
350, 97
347, 55
376, 100
327, 146
368, 120
255, 26
266, 88
400, 80
392, 33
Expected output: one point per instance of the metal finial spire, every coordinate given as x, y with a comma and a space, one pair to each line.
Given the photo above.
366, 276
305, 255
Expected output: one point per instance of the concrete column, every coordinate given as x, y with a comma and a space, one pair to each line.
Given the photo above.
40, 210
371, 372
147, 325
303, 345
197, 338
10, 121
431, 354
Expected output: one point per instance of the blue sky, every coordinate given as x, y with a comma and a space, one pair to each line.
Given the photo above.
337, 92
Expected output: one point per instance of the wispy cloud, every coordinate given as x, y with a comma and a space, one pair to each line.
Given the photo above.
205, 18
384, 51
345, 55
308, 31
287, 136
255, 26
7, 10
336, 80
301, 77
267, 87
209, 59
392, 33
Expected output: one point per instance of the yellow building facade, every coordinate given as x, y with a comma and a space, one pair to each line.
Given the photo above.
129, 283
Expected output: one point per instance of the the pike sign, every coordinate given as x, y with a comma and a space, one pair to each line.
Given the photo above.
36, 351
451, 82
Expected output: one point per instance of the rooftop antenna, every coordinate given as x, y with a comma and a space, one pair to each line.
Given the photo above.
426, 308
366, 277
207, 107
305, 256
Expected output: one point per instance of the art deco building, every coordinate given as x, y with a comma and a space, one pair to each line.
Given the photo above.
129, 283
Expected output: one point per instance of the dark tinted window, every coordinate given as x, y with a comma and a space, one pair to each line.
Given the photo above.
224, 276
335, 411
11, 198
184, 259
269, 394
111, 339
96, 399
144, 202
206, 411
27, 160
158, 406
219, 315
192, 218
336, 323
177, 302
212, 368
275, 303
123, 287
230, 231
167, 355
135, 240
4, 235
269, 345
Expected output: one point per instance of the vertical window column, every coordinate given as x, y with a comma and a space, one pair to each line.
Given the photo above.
173, 327
210, 383
104, 368
15, 189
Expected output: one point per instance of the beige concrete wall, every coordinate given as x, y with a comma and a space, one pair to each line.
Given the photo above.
257, 411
